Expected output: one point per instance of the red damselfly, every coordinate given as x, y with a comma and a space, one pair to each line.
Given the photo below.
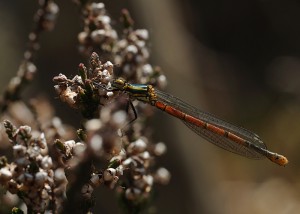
223, 134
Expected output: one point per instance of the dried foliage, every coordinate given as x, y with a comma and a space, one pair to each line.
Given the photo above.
50, 159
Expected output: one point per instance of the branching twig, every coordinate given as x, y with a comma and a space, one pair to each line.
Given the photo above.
44, 20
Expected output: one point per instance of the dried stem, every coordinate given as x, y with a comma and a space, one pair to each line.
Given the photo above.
44, 20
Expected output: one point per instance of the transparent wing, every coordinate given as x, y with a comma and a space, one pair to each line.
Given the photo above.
212, 137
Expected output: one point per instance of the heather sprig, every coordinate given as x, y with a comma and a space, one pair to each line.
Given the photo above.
32, 174
49, 163
44, 20
131, 155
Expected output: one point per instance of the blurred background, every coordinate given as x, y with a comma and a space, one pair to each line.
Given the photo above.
239, 60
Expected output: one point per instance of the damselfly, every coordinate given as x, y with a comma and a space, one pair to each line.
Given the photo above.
225, 135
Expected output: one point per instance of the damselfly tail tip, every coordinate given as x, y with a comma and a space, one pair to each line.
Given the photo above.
279, 159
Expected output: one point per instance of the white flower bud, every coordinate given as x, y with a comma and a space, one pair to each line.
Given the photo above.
147, 70
96, 143
129, 162
119, 117
162, 176
82, 36
93, 125
79, 149
109, 174
162, 81
46, 162
98, 35
96, 180
59, 175
104, 20
137, 146
19, 150
120, 170
33, 151
132, 49
97, 8
142, 34
145, 155
40, 178
160, 148
68, 96
42, 141
109, 66
109, 93
5, 174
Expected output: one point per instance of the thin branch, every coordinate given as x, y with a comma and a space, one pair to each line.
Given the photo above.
44, 20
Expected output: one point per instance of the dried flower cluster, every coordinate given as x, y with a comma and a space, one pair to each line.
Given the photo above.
126, 151
130, 53
131, 156
83, 91
45, 19
98, 33
31, 174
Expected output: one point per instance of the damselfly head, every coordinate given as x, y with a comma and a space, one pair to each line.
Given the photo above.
119, 83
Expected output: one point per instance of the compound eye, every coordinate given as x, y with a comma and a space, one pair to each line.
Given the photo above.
119, 83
